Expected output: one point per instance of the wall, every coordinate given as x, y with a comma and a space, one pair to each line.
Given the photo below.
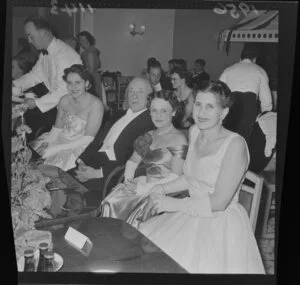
62, 22
19, 14
194, 33
120, 51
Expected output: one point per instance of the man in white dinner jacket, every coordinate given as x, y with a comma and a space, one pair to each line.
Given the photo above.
249, 83
55, 56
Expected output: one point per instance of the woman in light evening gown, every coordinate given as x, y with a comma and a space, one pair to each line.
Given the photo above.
78, 120
161, 153
208, 232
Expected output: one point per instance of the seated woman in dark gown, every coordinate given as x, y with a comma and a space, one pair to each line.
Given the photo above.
180, 78
162, 153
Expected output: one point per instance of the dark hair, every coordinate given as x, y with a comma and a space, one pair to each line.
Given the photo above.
25, 63
150, 60
172, 61
90, 38
220, 90
40, 23
183, 73
154, 64
249, 53
180, 62
200, 61
166, 95
81, 71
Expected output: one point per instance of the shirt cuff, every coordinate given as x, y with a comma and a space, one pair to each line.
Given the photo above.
100, 173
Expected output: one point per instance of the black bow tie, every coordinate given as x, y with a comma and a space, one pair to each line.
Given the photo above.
44, 52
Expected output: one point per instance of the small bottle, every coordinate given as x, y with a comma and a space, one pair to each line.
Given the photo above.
49, 261
29, 265
43, 247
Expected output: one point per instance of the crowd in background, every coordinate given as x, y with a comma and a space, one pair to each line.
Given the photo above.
188, 131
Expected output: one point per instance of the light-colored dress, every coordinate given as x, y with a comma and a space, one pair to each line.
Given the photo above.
222, 243
73, 129
128, 205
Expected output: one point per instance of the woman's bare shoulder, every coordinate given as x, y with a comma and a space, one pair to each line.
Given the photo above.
64, 100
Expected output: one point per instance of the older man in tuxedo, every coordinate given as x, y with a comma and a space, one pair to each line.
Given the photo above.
113, 145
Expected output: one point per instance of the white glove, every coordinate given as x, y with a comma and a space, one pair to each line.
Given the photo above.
83, 141
130, 169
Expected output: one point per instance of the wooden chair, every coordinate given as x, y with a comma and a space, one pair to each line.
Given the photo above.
122, 83
110, 87
269, 174
250, 194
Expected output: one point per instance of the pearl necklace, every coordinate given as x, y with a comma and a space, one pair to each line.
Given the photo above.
163, 132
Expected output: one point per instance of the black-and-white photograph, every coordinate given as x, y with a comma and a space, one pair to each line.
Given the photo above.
144, 139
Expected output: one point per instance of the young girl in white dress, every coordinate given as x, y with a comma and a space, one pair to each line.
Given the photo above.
208, 232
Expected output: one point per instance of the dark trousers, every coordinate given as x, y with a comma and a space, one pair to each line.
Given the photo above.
243, 113
256, 145
95, 187
39, 122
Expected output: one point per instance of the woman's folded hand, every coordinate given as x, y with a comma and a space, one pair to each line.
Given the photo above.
158, 188
158, 203
130, 185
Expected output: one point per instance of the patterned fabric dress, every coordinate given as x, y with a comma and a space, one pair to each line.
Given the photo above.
221, 243
73, 129
127, 205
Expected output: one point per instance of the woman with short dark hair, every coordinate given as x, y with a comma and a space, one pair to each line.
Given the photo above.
180, 78
78, 120
161, 153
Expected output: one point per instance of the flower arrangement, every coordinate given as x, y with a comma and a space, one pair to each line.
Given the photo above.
29, 197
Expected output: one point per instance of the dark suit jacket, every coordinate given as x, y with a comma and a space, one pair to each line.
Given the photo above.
123, 146
165, 83
199, 78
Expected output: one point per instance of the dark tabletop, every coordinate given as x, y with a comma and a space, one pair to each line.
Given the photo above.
117, 246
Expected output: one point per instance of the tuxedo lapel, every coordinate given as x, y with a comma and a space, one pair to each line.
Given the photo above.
138, 126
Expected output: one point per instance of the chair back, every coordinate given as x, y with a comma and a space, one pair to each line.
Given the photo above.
115, 177
250, 194
122, 83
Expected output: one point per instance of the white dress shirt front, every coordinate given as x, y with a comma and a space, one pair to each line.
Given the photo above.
246, 76
50, 69
115, 131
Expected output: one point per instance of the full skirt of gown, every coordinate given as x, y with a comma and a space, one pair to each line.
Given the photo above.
222, 243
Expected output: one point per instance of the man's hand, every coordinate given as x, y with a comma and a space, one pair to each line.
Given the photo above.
30, 103
86, 173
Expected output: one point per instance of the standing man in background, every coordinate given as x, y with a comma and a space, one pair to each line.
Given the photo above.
54, 57
248, 82
200, 74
